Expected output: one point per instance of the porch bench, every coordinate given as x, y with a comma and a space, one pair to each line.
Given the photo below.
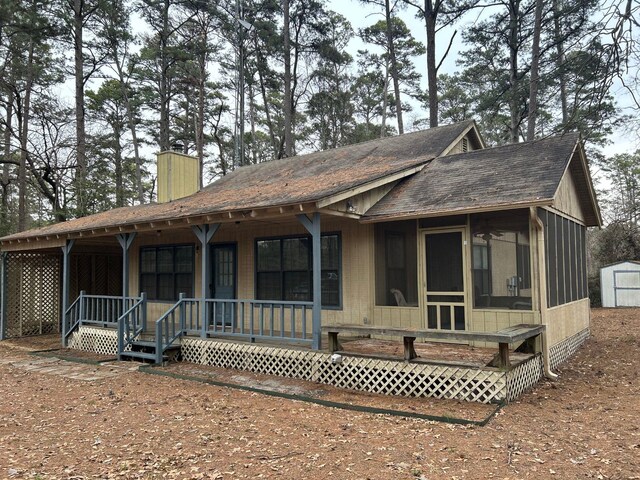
503, 338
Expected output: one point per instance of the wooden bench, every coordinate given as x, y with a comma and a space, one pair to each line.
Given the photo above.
503, 338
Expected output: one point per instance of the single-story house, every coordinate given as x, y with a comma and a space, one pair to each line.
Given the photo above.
620, 284
426, 231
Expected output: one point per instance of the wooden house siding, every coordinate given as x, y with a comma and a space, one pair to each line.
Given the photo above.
178, 176
567, 320
567, 200
355, 271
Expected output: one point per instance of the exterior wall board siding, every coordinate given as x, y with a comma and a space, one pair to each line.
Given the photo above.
567, 200
178, 176
567, 320
356, 249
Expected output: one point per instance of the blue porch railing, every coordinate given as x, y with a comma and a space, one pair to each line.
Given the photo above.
132, 322
286, 321
101, 311
249, 319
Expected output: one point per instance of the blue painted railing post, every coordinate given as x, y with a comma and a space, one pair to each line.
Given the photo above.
183, 314
313, 227
66, 266
82, 307
204, 233
143, 321
159, 343
3, 294
120, 337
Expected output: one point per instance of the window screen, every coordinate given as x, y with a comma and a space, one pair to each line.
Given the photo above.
166, 271
501, 259
565, 259
396, 263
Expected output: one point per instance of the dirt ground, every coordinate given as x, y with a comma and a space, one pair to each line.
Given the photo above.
78, 421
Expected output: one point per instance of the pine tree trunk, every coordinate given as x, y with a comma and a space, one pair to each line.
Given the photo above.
514, 7
394, 66
81, 149
6, 180
118, 160
252, 119
288, 110
560, 58
534, 73
202, 82
263, 92
164, 72
24, 133
134, 135
385, 94
432, 70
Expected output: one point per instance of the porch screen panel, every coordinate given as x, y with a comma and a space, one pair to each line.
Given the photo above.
396, 264
573, 255
501, 260
566, 262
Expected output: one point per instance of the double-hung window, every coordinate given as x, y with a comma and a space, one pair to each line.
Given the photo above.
284, 269
166, 271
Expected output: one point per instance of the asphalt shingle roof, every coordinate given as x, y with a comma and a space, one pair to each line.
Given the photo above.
290, 181
509, 175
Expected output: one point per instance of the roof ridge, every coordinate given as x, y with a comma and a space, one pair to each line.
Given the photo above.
244, 168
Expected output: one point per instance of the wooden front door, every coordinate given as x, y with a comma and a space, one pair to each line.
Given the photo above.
445, 279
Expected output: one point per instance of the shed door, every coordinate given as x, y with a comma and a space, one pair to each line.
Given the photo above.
445, 280
626, 286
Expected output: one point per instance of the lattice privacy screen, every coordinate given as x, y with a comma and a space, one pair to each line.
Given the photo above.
33, 294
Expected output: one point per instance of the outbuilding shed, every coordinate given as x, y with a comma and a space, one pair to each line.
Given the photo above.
620, 284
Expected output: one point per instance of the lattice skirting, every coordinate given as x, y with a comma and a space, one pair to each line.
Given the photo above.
561, 351
97, 340
367, 374
524, 376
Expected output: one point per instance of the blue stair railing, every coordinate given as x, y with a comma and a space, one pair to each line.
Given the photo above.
132, 322
172, 325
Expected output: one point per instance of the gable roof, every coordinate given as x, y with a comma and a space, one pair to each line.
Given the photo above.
522, 174
291, 181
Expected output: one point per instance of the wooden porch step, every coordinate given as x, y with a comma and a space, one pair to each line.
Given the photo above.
152, 344
143, 356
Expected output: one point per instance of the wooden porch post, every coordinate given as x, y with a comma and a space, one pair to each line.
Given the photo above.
313, 227
204, 233
3, 294
125, 240
66, 266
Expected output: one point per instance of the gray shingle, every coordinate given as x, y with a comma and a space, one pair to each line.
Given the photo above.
495, 177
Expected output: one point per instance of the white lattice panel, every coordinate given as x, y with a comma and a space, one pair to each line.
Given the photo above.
560, 352
33, 294
523, 377
354, 373
97, 340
